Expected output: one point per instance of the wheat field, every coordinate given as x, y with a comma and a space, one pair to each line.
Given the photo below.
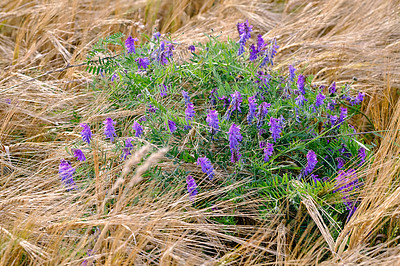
349, 41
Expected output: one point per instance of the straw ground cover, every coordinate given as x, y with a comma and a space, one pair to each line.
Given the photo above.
43, 223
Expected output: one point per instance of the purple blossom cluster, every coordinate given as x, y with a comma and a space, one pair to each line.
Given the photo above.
234, 105
130, 44
213, 122
191, 187
234, 138
66, 172
86, 133
109, 129
206, 167
346, 183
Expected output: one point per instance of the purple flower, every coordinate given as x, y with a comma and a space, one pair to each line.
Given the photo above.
234, 138
362, 155
292, 75
86, 133
262, 131
262, 144
341, 162
109, 129
213, 97
213, 122
358, 99
234, 105
343, 114
333, 119
191, 48
156, 36
226, 100
244, 30
253, 53
275, 128
252, 109
189, 115
128, 148
138, 129
66, 171
311, 162
260, 42
130, 44
143, 62
191, 187
300, 84
206, 167
268, 151
113, 77
300, 100
270, 53
346, 182
331, 105
78, 154
163, 90
262, 113
171, 126
320, 100
152, 109
332, 88
186, 96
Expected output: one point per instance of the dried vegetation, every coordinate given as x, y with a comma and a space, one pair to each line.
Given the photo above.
42, 224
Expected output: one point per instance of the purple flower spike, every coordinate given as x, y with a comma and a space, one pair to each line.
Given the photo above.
343, 114
320, 100
234, 138
253, 53
191, 187
234, 105
275, 128
292, 75
109, 129
128, 148
206, 167
332, 88
138, 129
186, 96
156, 36
189, 115
66, 171
152, 109
362, 155
113, 77
191, 48
358, 99
311, 162
86, 133
143, 62
163, 90
300, 84
300, 100
130, 44
213, 122
270, 53
78, 154
262, 113
171, 126
213, 97
331, 105
346, 182
244, 30
268, 151
252, 109
341, 162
